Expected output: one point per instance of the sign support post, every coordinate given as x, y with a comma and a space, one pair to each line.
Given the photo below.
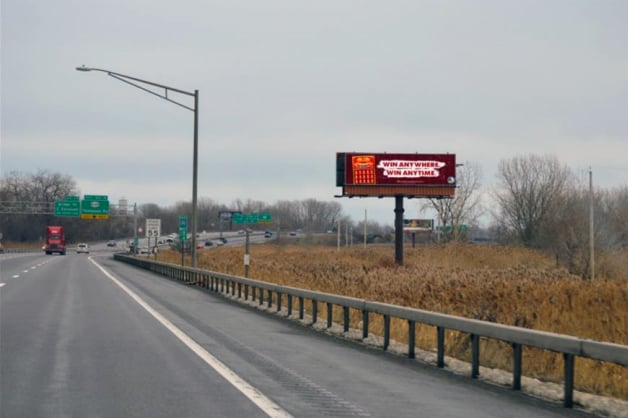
399, 229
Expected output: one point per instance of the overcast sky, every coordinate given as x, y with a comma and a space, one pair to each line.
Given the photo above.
285, 84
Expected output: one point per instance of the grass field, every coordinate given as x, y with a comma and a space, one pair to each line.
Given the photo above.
513, 286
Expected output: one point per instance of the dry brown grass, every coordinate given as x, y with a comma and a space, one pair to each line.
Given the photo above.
512, 286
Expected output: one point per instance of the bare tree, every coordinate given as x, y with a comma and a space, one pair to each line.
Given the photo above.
26, 190
45, 186
465, 207
618, 213
318, 216
532, 191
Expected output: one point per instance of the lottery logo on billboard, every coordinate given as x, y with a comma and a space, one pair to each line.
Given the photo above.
363, 169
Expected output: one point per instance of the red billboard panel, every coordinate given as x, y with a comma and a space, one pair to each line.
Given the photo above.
416, 175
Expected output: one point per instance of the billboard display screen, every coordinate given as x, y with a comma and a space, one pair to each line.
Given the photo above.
390, 174
422, 225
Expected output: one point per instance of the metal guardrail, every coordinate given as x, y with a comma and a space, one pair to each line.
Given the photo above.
20, 250
569, 346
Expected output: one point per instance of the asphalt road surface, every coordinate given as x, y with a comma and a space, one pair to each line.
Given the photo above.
86, 336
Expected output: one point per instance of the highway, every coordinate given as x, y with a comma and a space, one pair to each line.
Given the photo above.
86, 336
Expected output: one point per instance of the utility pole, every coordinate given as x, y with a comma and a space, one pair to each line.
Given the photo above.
591, 229
364, 228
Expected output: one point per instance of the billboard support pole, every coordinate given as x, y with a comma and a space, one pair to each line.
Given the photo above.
399, 229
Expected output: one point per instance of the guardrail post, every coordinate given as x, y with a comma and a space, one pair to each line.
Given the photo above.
253, 293
411, 337
301, 307
386, 332
330, 314
569, 369
279, 297
365, 324
233, 288
516, 367
289, 304
261, 296
270, 298
239, 290
314, 311
345, 318
475, 356
440, 347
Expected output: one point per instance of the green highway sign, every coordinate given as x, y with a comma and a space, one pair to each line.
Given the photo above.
69, 208
264, 218
95, 207
183, 227
95, 197
448, 228
252, 218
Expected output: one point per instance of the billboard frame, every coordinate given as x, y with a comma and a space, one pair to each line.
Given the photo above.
371, 174
414, 175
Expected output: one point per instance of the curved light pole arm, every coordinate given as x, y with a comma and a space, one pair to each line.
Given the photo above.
133, 81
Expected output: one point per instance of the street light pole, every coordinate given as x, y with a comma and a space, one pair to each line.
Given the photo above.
134, 82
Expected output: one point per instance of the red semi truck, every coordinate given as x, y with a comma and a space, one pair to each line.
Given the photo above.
55, 240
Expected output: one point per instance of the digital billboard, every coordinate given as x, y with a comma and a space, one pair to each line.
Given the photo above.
412, 175
418, 225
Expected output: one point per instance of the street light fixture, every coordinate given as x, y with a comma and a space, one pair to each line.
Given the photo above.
134, 82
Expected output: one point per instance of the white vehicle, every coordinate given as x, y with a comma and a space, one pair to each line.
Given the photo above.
82, 248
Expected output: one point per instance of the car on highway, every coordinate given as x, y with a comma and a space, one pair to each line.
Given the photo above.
111, 243
268, 234
82, 248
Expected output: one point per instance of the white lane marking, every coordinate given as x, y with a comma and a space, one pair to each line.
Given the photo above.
15, 276
2, 284
269, 407
25, 271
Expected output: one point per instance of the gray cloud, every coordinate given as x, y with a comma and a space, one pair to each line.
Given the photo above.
284, 85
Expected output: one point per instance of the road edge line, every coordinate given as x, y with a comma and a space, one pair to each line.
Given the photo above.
268, 406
